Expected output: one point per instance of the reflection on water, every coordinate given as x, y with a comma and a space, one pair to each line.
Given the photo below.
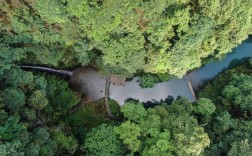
175, 87
209, 71
178, 87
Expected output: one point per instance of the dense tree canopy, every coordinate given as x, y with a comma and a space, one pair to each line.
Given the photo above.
26, 128
230, 127
37, 119
162, 130
102, 140
155, 39
157, 36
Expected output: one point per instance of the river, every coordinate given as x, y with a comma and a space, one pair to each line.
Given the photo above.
179, 87
89, 82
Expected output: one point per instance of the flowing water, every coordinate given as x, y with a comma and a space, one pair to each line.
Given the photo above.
199, 76
90, 82
41, 68
178, 87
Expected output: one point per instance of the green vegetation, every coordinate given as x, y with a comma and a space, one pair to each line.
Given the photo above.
231, 125
149, 80
155, 39
43, 116
125, 37
162, 130
31, 123
102, 140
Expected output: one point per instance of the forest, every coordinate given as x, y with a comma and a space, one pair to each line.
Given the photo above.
153, 39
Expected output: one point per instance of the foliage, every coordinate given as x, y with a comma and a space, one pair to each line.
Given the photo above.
129, 132
65, 143
13, 98
91, 115
148, 81
115, 108
230, 129
134, 111
205, 107
242, 148
26, 128
38, 99
162, 130
238, 92
126, 37
102, 140
11, 148
156, 39
219, 91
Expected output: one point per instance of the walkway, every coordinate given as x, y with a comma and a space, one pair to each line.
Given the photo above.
107, 95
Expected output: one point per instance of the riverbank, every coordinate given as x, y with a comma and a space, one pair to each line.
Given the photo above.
179, 87
91, 83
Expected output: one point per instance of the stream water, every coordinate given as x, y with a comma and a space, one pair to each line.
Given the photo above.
41, 68
92, 84
178, 87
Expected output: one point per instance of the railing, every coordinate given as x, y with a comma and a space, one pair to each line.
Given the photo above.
107, 95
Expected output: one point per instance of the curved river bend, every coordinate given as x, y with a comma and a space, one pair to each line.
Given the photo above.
178, 87
91, 83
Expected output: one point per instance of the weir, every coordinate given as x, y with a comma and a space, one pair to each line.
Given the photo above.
190, 86
90, 82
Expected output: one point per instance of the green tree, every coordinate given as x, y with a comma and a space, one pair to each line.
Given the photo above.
102, 140
16, 77
38, 99
65, 143
242, 148
11, 128
148, 81
49, 148
129, 132
188, 138
230, 125
238, 92
204, 107
11, 148
30, 114
158, 36
134, 111
162, 130
13, 98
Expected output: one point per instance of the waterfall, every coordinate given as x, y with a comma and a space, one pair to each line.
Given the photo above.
63, 72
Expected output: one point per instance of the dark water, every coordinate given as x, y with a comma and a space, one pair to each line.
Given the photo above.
178, 87
209, 71
86, 81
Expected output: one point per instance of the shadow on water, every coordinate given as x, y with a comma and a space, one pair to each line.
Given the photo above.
86, 81
179, 87
153, 102
234, 63
92, 82
201, 76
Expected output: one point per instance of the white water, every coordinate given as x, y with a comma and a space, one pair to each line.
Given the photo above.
64, 72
